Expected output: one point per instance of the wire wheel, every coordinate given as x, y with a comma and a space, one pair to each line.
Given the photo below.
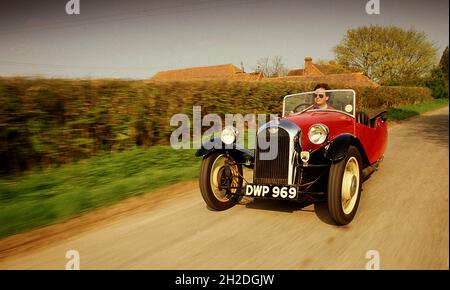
224, 179
220, 181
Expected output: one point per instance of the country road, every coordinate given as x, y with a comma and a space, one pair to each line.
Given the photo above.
403, 214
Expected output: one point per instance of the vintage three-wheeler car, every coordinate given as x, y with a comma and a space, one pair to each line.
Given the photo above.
321, 154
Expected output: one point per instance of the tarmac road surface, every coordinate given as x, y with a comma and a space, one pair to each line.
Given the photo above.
403, 214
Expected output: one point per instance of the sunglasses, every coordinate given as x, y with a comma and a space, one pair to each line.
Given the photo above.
319, 95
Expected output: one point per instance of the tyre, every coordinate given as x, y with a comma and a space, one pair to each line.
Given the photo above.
344, 187
220, 181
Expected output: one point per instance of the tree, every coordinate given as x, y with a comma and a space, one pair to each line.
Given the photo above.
242, 67
443, 63
271, 67
262, 67
388, 55
277, 68
438, 79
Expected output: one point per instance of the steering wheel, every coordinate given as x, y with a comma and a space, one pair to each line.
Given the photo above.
305, 105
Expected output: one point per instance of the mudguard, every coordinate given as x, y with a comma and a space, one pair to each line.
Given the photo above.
217, 145
337, 149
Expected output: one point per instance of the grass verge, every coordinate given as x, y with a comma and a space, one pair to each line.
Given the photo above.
404, 112
41, 198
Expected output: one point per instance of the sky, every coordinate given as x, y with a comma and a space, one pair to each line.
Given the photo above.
134, 39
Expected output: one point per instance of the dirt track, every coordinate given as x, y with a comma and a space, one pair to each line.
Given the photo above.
403, 214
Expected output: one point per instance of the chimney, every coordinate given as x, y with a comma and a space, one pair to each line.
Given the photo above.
308, 62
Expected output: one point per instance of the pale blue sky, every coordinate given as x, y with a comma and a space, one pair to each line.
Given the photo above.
137, 38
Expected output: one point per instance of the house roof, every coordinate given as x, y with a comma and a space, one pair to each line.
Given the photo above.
328, 69
318, 69
345, 79
225, 71
296, 72
327, 73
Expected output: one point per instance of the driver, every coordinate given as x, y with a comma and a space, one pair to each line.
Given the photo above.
321, 98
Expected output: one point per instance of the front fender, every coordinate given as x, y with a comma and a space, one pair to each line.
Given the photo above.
338, 147
216, 144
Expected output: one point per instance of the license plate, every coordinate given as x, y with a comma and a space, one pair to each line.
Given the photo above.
271, 191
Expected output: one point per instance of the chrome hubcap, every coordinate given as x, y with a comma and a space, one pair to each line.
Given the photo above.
350, 185
223, 177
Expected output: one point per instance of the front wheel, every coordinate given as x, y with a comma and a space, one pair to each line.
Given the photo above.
220, 181
344, 187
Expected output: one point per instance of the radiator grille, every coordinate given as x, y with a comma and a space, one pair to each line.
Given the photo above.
273, 171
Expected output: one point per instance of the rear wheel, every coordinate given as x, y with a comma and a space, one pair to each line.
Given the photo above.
220, 181
344, 187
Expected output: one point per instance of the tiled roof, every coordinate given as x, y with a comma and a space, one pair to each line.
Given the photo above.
328, 69
313, 73
346, 79
226, 71
313, 69
296, 72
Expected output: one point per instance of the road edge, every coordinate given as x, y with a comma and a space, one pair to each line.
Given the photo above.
26, 242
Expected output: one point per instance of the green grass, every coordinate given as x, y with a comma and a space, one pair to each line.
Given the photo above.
404, 112
41, 198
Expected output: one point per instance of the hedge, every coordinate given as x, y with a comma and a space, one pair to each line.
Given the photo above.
53, 121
